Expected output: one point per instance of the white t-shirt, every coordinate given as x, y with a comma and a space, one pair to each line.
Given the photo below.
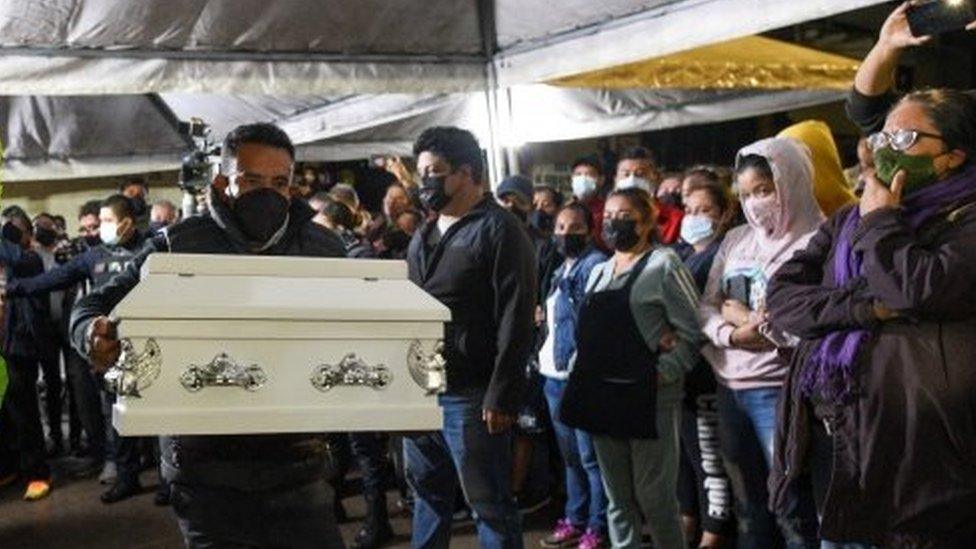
547, 354
444, 223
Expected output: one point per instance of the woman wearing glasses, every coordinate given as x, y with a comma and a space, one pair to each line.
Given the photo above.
882, 395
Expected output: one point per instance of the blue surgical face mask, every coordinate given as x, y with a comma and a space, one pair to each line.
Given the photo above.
697, 228
583, 186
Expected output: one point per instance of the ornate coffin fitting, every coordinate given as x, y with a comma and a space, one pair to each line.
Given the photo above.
428, 370
351, 371
223, 371
134, 371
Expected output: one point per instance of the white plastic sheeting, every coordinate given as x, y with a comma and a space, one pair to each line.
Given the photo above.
338, 47
543, 113
71, 136
346, 76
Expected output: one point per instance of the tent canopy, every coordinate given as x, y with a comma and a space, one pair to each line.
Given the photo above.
347, 78
340, 47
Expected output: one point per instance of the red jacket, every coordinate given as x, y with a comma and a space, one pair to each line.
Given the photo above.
669, 222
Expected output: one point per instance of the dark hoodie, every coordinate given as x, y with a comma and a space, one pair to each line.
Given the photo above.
252, 462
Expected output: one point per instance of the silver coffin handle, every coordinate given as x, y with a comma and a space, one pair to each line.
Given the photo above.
223, 371
134, 371
351, 371
428, 369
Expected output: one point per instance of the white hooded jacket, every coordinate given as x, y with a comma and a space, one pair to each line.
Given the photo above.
749, 251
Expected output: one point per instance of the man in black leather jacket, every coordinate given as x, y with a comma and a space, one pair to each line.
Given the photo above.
254, 490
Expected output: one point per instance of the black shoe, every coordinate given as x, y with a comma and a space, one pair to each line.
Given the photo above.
530, 503
54, 447
161, 499
120, 491
372, 535
81, 468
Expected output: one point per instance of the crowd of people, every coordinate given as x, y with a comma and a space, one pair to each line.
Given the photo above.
773, 353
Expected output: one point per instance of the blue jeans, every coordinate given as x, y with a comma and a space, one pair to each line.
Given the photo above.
587, 502
463, 451
747, 427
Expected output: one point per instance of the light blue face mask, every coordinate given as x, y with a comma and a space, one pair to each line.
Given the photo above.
696, 228
583, 186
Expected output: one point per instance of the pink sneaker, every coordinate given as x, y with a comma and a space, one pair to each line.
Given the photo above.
591, 540
563, 535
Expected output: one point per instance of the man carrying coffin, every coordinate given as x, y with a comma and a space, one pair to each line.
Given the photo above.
253, 490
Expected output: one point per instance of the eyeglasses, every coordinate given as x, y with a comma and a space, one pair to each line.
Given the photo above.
898, 140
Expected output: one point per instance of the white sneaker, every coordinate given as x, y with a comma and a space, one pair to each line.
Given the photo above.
109, 473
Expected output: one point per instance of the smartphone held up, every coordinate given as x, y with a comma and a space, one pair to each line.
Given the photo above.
934, 17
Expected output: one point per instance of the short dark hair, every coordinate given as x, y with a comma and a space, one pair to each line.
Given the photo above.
44, 215
120, 206
754, 162
590, 161
18, 213
638, 153
133, 181
459, 147
91, 207
953, 112
60, 221
581, 209
557, 197
261, 133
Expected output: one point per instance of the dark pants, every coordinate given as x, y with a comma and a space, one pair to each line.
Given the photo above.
125, 451
224, 518
463, 451
747, 425
54, 391
22, 418
370, 453
84, 387
704, 491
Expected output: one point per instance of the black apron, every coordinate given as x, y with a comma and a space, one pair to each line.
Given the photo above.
612, 389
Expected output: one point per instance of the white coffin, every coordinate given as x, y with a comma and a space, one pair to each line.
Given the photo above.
365, 333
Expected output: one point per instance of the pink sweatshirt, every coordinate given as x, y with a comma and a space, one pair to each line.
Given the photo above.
749, 251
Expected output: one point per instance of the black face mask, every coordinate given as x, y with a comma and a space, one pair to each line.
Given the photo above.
156, 226
541, 220
396, 240
570, 245
620, 234
433, 193
261, 213
93, 240
12, 233
44, 236
138, 206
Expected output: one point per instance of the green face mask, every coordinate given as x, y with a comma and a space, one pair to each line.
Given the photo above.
919, 170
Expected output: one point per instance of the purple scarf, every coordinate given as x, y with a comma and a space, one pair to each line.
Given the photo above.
830, 369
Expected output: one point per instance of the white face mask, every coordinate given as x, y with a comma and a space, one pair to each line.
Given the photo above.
764, 213
583, 186
633, 181
109, 233
696, 228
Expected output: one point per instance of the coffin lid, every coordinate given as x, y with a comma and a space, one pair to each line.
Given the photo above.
224, 287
